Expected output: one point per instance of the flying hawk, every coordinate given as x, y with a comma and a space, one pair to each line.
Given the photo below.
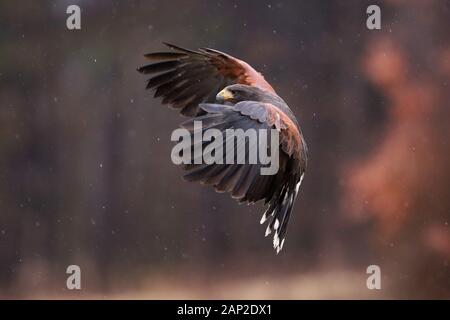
224, 92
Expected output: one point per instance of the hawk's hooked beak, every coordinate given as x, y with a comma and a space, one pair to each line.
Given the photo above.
224, 95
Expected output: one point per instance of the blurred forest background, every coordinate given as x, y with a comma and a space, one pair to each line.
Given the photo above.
86, 176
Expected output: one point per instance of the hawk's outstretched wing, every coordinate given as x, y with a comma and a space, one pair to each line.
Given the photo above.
245, 181
185, 78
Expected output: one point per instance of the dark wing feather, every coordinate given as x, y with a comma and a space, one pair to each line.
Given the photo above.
244, 181
185, 78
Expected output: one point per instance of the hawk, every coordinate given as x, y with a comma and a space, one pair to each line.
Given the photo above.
224, 92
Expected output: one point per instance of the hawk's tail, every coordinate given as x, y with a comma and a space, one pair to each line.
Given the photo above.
279, 211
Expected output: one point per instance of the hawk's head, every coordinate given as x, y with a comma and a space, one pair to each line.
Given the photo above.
240, 92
